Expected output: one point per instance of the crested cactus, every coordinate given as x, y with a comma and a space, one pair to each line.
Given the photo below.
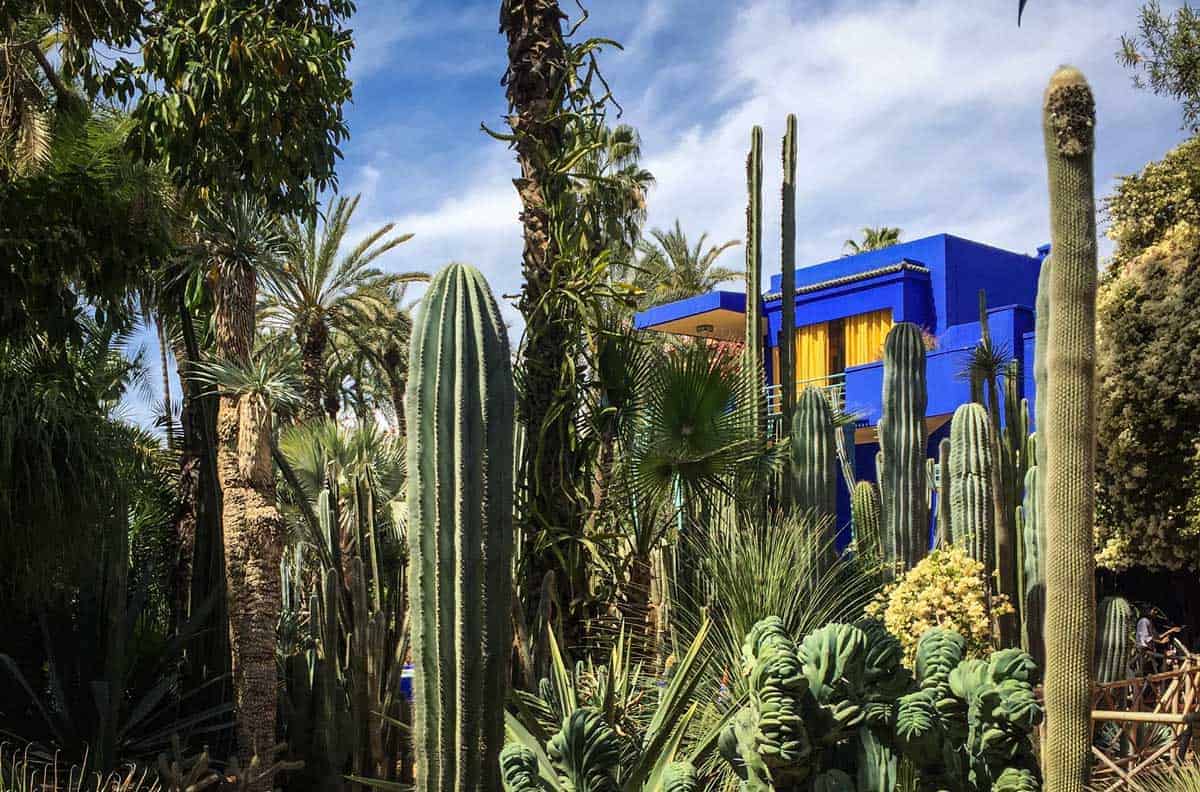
971, 494
902, 438
866, 517
837, 710
814, 465
460, 492
1069, 431
1114, 639
1033, 607
753, 350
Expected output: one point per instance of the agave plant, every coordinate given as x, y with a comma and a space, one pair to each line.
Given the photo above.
610, 727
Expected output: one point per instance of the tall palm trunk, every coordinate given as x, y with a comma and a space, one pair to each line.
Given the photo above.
252, 525
166, 379
394, 367
547, 408
200, 569
312, 363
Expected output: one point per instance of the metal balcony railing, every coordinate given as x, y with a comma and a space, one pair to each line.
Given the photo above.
832, 386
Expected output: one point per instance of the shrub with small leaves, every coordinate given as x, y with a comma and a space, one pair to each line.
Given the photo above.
945, 589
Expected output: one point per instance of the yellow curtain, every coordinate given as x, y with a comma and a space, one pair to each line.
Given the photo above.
812, 353
864, 336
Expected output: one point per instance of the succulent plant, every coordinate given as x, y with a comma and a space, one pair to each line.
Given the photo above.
460, 498
902, 439
971, 492
1067, 430
1114, 639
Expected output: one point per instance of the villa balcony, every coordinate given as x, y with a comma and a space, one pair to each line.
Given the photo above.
833, 387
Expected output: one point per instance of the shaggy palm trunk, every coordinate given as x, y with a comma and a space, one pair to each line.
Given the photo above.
252, 525
394, 367
547, 408
312, 363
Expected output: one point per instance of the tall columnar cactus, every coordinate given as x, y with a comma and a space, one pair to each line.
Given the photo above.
787, 275
753, 350
1068, 432
460, 499
902, 439
1033, 607
814, 463
972, 515
867, 518
945, 532
1114, 639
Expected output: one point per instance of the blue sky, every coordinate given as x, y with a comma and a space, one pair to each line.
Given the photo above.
922, 114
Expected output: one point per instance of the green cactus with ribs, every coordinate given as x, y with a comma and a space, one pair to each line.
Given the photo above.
460, 508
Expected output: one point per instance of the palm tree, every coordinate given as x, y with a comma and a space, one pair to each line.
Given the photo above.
239, 239
318, 289
875, 238
673, 269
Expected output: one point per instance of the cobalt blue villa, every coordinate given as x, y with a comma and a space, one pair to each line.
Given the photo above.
845, 307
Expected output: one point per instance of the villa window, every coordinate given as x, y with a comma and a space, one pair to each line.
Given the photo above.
826, 349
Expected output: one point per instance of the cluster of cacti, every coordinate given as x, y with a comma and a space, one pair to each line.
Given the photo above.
605, 727
1033, 559
836, 711
902, 438
1068, 431
969, 725
972, 497
814, 465
1114, 639
460, 506
344, 707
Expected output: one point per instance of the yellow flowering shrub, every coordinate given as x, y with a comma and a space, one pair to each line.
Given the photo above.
945, 589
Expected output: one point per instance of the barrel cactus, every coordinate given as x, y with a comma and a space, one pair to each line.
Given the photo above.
460, 497
1068, 431
971, 492
866, 518
902, 438
814, 465
1114, 639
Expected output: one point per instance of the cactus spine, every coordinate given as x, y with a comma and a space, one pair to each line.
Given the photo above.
867, 519
902, 441
814, 465
972, 513
1068, 431
753, 351
787, 276
1114, 639
460, 493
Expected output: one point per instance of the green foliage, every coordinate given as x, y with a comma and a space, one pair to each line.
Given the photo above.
610, 727
1148, 471
81, 226
460, 527
1162, 56
873, 238
866, 515
1033, 537
672, 268
1146, 206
